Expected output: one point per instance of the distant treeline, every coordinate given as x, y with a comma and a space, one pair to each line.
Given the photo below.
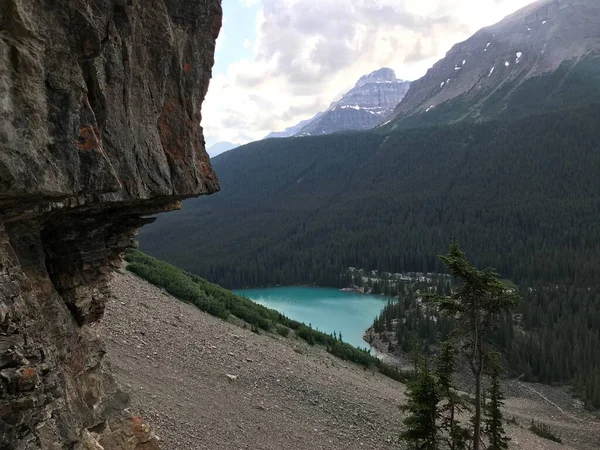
521, 196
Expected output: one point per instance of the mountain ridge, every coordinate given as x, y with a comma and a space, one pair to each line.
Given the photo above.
294, 129
220, 147
533, 41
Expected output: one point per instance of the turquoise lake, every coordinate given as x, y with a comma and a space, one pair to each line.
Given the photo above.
326, 309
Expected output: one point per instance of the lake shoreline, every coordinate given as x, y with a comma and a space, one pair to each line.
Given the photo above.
382, 351
330, 310
355, 289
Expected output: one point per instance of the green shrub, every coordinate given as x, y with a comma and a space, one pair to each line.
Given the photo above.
544, 431
283, 330
306, 333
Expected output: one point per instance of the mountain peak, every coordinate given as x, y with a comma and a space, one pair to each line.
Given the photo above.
220, 147
497, 59
385, 74
371, 100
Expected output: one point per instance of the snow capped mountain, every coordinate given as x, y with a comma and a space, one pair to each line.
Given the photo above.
369, 103
383, 75
365, 106
479, 76
220, 147
291, 131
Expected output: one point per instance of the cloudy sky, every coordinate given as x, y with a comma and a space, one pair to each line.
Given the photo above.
281, 61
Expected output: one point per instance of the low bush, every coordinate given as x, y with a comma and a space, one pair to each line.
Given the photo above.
544, 431
282, 330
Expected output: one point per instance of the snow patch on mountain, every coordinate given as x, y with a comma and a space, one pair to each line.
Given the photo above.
371, 101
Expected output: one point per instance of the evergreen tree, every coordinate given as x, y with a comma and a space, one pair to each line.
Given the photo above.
416, 352
493, 415
477, 305
457, 436
422, 406
376, 288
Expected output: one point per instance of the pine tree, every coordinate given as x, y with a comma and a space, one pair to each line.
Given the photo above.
416, 351
457, 436
477, 305
422, 406
376, 288
493, 415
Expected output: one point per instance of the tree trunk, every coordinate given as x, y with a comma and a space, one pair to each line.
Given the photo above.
452, 428
477, 418
477, 365
433, 434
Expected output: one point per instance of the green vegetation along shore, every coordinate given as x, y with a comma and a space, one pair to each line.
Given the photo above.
222, 303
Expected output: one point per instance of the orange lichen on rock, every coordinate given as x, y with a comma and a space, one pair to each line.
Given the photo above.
140, 429
28, 372
88, 138
187, 68
168, 107
176, 132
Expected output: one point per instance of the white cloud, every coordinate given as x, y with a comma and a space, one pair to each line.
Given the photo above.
220, 41
307, 53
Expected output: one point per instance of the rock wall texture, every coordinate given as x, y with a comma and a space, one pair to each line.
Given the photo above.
100, 105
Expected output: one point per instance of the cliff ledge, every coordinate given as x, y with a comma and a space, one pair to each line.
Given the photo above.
100, 105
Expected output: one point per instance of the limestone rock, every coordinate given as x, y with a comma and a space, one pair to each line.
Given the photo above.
99, 126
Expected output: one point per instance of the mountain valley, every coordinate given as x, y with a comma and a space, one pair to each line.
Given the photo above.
466, 204
174, 359
511, 172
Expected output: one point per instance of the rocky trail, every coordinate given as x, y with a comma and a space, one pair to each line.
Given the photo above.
204, 383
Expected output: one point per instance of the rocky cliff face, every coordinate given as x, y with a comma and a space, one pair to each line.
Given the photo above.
533, 41
100, 107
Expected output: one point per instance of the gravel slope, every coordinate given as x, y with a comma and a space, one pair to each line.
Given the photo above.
174, 360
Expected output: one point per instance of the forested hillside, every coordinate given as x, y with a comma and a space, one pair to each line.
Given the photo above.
574, 83
521, 196
520, 192
552, 337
